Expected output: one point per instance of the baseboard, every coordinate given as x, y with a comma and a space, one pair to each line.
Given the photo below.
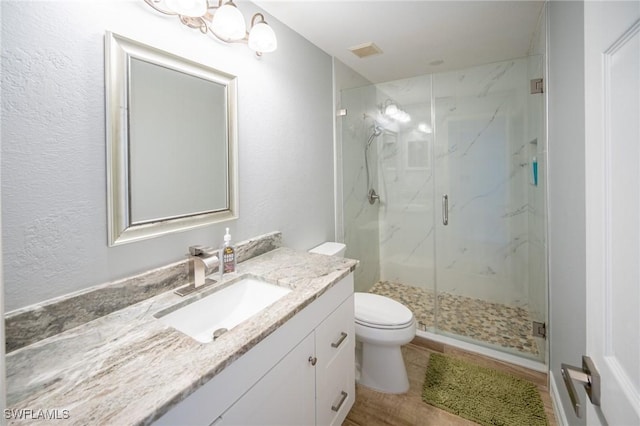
558, 409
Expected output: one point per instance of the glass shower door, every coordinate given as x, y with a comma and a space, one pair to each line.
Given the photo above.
483, 171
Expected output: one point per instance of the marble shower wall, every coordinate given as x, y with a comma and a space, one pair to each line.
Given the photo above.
482, 163
480, 158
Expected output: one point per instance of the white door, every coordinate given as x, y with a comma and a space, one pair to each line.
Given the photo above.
612, 98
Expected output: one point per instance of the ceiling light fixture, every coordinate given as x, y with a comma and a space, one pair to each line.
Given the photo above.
224, 21
392, 110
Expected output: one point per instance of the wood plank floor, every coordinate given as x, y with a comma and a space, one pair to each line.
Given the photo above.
373, 408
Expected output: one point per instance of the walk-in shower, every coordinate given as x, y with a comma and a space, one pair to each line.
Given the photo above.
458, 234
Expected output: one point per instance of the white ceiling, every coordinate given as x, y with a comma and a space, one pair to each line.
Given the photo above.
412, 34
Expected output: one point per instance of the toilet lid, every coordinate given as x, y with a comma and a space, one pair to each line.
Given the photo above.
380, 311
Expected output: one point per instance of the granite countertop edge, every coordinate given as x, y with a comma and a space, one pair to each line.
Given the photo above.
129, 368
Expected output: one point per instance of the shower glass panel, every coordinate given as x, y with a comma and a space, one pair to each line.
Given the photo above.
484, 166
360, 219
406, 181
474, 136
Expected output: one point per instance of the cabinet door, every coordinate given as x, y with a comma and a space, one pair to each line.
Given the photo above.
284, 396
335, 374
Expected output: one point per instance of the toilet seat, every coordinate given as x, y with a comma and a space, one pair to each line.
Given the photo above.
375, 311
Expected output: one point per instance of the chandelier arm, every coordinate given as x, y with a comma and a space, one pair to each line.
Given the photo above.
209, 7
244, 40
156, 8
253, 18
197, 23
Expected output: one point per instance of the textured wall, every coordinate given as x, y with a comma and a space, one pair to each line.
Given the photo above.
53, 143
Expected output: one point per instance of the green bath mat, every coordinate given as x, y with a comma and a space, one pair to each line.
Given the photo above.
483, 395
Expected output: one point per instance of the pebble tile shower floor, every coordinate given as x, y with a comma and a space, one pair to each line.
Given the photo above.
493, 323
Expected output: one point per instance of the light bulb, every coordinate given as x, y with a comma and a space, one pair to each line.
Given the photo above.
262, 38
403, 117
391, 110
228, 23
193, 8
424, 128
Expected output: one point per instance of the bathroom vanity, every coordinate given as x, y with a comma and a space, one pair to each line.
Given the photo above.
301, 374
291, 363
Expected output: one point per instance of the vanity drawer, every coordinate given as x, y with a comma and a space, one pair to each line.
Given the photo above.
335, 374
336, 332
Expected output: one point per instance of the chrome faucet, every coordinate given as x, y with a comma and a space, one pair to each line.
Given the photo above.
201, 259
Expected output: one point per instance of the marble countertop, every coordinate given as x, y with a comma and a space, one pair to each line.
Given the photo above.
129, 368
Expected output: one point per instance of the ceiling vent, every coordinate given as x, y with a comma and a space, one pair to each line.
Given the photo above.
365, 49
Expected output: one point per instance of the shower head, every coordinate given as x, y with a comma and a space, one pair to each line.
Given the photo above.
377, 131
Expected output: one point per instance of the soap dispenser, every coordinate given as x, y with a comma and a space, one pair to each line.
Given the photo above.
228, 255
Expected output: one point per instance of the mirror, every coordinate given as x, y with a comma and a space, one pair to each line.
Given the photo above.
171, 142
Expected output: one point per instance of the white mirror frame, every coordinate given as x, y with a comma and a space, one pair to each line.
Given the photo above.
118, 50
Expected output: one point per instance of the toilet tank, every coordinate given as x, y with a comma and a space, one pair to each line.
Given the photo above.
330, 249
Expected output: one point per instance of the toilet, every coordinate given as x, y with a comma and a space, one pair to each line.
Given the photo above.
382, 326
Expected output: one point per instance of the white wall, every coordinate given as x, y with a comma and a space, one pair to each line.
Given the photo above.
53, 150
566, 221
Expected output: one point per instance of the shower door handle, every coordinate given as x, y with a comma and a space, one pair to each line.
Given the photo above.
445, 209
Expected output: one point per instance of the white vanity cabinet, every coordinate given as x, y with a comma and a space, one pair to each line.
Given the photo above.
301, 374
284, 396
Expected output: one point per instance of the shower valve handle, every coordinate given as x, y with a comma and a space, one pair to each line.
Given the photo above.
372, 196
445, 209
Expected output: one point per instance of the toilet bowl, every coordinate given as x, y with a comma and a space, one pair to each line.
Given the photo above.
382, 325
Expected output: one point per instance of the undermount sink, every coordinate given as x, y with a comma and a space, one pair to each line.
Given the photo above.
222, 310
